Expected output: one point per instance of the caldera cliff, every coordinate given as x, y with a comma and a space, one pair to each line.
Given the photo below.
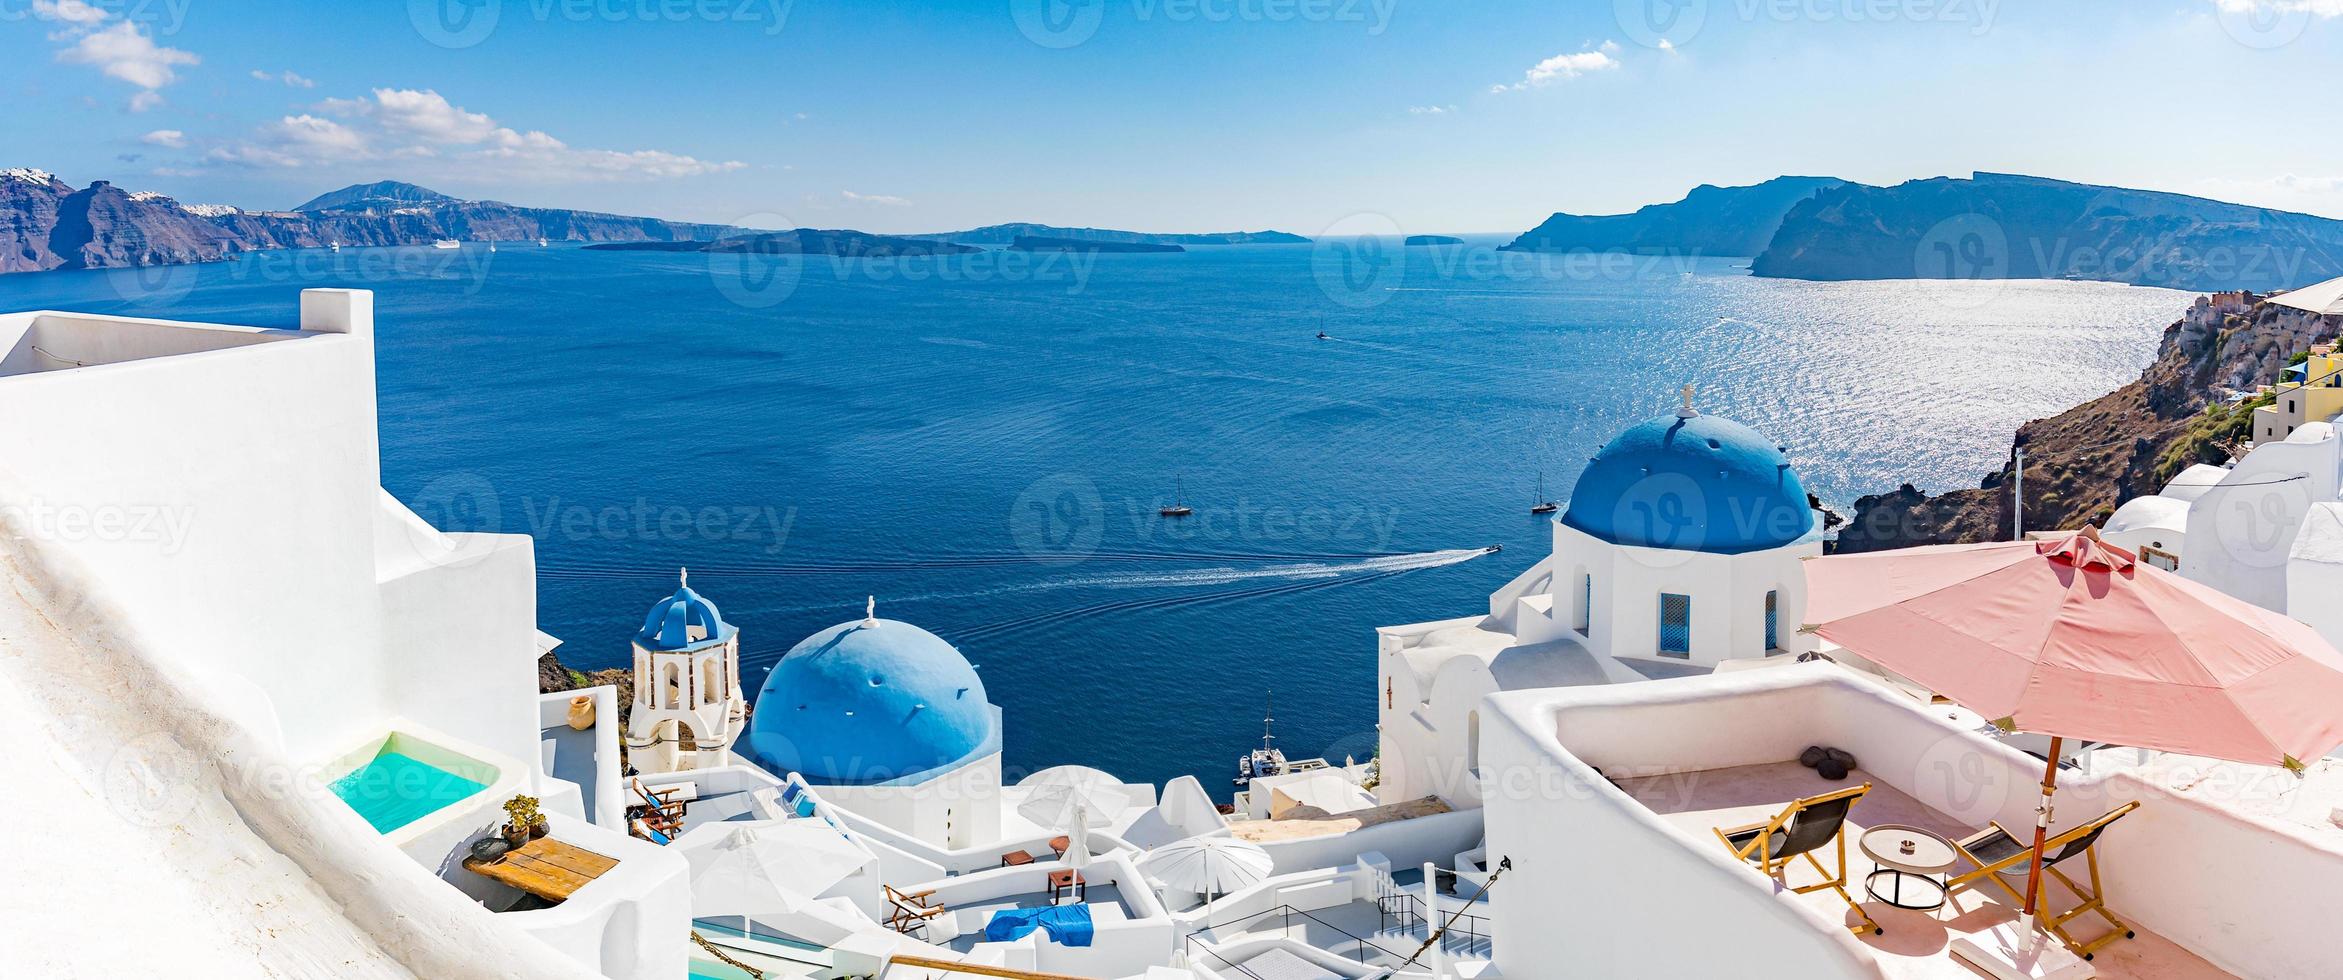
2082, 463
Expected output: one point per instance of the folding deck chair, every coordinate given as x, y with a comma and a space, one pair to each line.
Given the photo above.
2001, 857
1799, 830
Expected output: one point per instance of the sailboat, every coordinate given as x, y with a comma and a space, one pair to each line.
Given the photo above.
542, 243
1179, 505
336, 246
1540, 504
1267, 760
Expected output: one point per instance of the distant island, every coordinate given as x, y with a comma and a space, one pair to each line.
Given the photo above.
1987, 226
1433, 240
46, 223
1009, 233
1036, 243
1710, 220
802, 241
2007, 226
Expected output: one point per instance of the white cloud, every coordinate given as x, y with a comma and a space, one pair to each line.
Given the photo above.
171, 138
123, 51
290, 79
1430, 110
888, 200
422, 125
1563, 67
69, 12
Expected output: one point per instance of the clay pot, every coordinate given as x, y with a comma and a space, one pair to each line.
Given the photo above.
540, 827
490, 848
515, 836
581, 712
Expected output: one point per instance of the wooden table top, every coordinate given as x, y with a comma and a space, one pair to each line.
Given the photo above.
546, 868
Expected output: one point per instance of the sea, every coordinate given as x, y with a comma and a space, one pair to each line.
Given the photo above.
980, 443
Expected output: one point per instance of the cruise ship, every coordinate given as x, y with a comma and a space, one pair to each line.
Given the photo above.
266, 720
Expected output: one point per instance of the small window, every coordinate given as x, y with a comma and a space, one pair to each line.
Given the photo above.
1773, 637
1675, 625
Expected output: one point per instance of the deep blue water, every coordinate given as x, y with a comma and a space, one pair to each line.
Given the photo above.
982, 442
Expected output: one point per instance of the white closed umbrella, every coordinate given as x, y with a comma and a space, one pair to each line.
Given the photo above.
758, 867
1210, 866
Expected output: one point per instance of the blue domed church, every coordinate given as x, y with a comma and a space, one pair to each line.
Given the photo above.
1680, 550
1681, 542
890, 721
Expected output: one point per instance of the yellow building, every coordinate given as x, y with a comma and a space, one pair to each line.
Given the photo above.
2312, 392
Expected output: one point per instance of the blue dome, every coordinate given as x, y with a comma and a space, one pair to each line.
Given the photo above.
871, 701
683, 621
1691, 484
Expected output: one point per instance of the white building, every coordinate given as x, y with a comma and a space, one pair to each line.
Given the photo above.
195, 521
1679, 551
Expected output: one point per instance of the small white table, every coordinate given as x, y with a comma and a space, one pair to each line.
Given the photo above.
1907, 852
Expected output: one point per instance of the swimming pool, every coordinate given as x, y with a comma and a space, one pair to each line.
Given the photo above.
394, 788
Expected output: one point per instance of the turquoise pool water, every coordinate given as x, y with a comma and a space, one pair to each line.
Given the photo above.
393, 790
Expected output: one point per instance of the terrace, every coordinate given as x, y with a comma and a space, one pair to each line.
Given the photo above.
1130, 930
1640, 884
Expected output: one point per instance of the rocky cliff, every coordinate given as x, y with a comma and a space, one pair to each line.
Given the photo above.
2003, 226
46, 224
2082, 463
1710, 220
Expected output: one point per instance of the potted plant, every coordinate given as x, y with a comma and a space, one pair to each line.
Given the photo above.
522, 820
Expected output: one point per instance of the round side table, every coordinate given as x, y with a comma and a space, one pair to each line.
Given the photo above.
1907, 853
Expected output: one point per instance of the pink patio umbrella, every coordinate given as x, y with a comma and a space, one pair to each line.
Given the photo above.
2072, 638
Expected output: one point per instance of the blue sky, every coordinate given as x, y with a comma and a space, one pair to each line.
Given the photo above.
1167, 115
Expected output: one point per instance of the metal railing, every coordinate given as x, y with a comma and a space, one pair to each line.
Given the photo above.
1459, 933
1359, 947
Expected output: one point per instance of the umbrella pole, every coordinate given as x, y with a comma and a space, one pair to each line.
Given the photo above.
2041, 827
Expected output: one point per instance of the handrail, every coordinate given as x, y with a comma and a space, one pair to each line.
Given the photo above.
1289, 912
977, 969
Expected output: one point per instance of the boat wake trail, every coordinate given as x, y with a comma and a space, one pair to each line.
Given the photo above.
614, 570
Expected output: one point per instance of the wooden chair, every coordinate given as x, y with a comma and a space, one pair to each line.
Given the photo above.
1799, 830
909, 910
2001, 857
656, 811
